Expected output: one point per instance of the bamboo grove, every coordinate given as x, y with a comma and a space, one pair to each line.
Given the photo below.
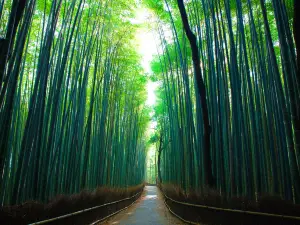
248, 64
72, 98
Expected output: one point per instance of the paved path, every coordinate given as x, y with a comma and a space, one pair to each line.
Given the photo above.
148, 210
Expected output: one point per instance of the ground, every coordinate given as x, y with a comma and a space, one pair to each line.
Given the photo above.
148, 210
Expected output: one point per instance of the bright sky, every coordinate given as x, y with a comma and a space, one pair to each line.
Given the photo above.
147, 48
145, 38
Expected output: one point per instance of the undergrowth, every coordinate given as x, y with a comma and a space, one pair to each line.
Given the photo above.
211, 197
32, 211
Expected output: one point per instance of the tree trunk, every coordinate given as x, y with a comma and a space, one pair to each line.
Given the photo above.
201, 91
18, 7
296, 119
6, 44
159, 159
297, 32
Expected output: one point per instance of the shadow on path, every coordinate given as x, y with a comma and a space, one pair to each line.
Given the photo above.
148, 210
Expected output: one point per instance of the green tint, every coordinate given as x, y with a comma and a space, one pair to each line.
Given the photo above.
248, 63
72, 112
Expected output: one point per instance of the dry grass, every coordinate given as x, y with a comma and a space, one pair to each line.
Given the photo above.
33, 211
210, 197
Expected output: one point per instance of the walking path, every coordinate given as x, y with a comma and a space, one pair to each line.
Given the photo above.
150, 209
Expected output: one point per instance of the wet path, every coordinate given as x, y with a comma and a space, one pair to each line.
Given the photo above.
148, 210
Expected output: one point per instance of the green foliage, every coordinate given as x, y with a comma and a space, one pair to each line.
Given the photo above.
73, 112
72, 98
247, 60
154, 138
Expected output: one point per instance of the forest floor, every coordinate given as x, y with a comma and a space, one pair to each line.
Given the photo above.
148, 210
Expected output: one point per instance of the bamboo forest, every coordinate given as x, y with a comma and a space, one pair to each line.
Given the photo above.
197, 97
